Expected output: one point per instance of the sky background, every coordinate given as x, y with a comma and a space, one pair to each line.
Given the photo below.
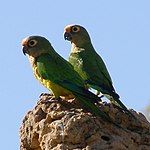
120, 32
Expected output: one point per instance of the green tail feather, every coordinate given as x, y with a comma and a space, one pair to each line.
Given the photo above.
87, 103
124, 107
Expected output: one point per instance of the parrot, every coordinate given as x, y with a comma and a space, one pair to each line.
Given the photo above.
58, 75
89, 64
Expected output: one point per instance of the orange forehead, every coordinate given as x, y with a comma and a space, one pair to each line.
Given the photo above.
24, 41
68, 28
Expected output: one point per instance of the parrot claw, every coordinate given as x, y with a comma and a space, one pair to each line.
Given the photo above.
45, 94
45, 97
67, 36
53, 99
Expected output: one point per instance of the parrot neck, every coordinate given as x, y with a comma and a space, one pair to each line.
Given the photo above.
31, 60
77, 49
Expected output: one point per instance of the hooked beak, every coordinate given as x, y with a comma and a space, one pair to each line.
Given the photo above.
24, 49
67, 36
24, 44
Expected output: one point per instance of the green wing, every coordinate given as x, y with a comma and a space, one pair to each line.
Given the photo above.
102, 74
57, 69
60, 72
92, 69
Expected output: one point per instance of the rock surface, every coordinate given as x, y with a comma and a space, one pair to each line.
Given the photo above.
64, 125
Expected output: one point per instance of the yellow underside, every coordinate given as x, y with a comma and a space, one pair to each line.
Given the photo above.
56, 89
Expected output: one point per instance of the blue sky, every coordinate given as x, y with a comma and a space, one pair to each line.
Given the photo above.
120, 32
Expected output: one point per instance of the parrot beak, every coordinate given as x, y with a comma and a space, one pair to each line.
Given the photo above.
24, 44
67, 36
24, 49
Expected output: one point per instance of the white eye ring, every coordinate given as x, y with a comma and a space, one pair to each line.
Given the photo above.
75, 29
32, 43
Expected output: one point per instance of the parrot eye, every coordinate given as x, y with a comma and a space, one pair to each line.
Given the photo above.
32, 43
75, 29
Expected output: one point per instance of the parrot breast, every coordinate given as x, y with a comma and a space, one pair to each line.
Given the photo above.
55, 88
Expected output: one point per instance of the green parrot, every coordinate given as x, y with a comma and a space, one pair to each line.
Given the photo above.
58, 75
89, 64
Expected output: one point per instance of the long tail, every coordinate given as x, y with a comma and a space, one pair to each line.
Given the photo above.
87, 99
94, 109
116, 99
88, 103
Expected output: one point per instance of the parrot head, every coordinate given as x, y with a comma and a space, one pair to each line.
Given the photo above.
76, 34
35, 45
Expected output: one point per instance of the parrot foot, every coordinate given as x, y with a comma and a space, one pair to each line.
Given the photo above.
44, 99
68, 97
54, 99
45, 94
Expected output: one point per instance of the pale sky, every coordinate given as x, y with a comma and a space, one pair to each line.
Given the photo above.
120, 32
